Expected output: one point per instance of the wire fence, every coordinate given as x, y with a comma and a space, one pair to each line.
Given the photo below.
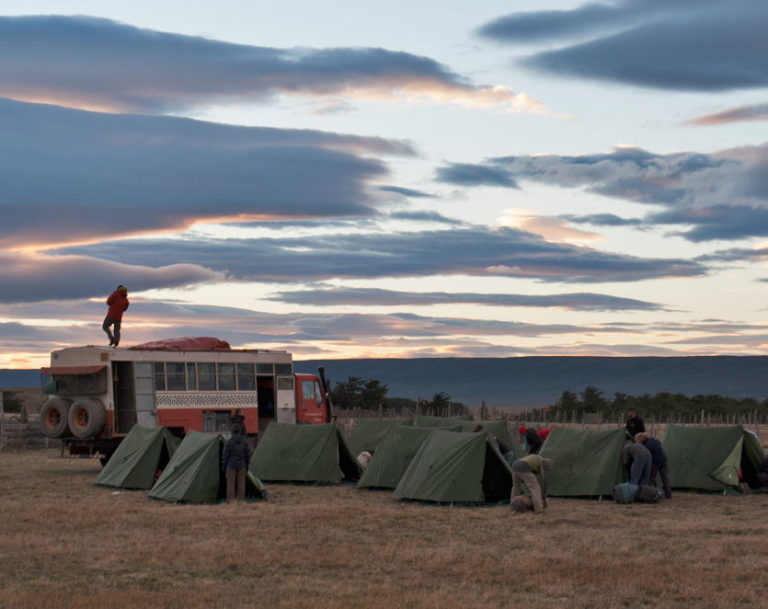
539, 418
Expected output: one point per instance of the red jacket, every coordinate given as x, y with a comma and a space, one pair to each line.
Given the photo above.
118, 303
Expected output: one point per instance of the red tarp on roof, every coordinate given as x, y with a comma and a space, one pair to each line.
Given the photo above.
185, 343
72, 370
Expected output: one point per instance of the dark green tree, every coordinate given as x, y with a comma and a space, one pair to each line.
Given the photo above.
356, 392
593, 399
568, 400
12, 402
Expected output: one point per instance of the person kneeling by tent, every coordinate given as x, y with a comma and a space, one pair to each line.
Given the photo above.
658, 462
531, 471
364, 458
640, 459
235, 459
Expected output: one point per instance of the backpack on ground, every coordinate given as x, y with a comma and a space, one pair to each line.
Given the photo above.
648, 494
625, 492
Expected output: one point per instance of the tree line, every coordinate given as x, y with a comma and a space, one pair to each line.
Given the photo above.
593, 400
371, 394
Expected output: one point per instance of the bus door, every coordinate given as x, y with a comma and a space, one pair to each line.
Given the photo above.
310, 403
125, 397
265, 396
144, 390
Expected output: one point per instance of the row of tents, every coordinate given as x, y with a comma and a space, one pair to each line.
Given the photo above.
427, 459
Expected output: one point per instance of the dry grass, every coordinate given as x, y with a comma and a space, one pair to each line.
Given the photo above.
67, 544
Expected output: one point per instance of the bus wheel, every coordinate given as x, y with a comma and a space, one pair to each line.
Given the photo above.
86, 418
53, 417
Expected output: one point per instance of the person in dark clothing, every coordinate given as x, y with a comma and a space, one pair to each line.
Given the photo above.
239, 419
117, 303
235, 459
532, 439
506, 451
638, 457
635, 424
658, 462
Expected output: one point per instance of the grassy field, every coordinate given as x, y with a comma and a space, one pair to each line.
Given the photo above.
67, 544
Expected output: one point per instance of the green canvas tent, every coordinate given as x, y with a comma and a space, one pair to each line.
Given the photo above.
368, 433
288, 452
709, 458
194, 473
140, 455
587, 461
456, 467
393, 456
428, 421
498, 429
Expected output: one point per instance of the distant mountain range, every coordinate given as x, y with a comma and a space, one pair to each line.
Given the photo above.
521, 382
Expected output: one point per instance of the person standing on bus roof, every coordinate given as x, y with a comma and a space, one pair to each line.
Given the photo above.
117, 303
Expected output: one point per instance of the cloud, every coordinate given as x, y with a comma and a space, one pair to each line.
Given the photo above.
547, 25
69, 175
722, 222
456, 251
612, 350
551, 228
424, 216
699, 45
738, 254
407, 192
323, 297
722, 195
604, 220
148, 320
32, 277
106, 65
466, 174
756, 112
40, 329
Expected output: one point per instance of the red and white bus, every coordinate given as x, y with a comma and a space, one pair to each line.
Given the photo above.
97, 394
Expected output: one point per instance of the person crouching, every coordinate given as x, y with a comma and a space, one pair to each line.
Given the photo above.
531, 471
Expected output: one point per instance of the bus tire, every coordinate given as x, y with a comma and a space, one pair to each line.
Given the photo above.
53, 418
86, 418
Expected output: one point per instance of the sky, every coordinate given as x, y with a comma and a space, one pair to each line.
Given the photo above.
347, 179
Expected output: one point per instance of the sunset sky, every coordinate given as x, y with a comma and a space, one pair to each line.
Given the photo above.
386, 179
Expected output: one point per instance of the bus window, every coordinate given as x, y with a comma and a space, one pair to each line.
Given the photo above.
308, 390
159, 369
246, 379
284, 369
191, 377
175, 377
206, 377
226, 373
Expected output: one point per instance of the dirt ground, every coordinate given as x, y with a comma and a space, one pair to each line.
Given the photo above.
65, 543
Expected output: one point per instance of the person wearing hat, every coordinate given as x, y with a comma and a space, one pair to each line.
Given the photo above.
117, 303
531, 471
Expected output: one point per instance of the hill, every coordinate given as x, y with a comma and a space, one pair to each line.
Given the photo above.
533, 381
539, 381
11, 379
